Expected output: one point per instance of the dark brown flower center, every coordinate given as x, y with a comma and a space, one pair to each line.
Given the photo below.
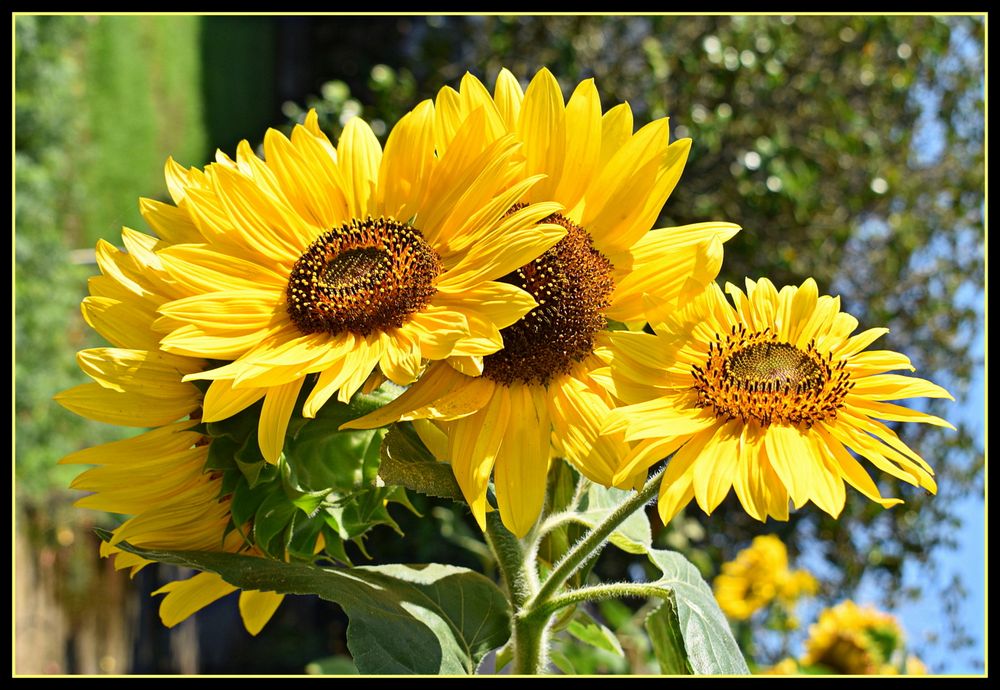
750, 375
572, 283
365, 276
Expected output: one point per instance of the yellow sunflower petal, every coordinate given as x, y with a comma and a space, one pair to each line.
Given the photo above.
578, 410
677, 485
368, 359
359, 156
223, 401
166, 439
894, 413
125, 324
172, 224
256, 608
877, 362
440, 393
749, 478
664, 262
438, 329
473, 94
896, 387
789, 455
658, 417
407, 163
508, 96
616, 130
155, 374
638, 179
712, 475
474, 443
583, 143
274, 416
876, 453
400, 361
542, 128
96, 402
852, 471
522, 461
447, 118
644, 455
187, 597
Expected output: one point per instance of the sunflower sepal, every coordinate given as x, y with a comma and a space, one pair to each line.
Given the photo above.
406, 462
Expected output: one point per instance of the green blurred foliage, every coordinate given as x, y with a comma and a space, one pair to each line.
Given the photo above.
100, 102
47, 286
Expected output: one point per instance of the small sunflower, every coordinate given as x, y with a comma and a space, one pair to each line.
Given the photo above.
758, 576
766, 397
857, 640
158, 477
509, 412
344, 262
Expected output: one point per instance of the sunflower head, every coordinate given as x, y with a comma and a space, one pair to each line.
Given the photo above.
159, 478
321, 268
853, 640
770, 395
758, 576
363, 277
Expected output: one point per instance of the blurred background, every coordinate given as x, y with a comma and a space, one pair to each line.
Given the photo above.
850, 149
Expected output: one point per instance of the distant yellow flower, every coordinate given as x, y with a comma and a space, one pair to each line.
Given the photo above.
766, 397
758, 576
854, 640
345, 262
158, 477
785, 667
534, 399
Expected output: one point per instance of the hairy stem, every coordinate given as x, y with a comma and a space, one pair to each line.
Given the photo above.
528, 637
592, 543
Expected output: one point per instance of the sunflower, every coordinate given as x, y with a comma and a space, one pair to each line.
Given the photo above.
158, 477
857, 640
758, 576
347, 262
766, 397
499, 412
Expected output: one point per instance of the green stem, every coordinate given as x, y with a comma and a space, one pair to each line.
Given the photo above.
528, 637
595, 539
575, 596
510, 559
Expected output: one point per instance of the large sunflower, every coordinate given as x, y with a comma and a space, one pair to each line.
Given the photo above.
345, 262
612, 183
158, 478
766, 397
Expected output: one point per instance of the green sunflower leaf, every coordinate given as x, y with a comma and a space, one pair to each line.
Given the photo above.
689, 628
589, 631
270, 523
426, 619
598, 502
406, 462
332, 666
664, 630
